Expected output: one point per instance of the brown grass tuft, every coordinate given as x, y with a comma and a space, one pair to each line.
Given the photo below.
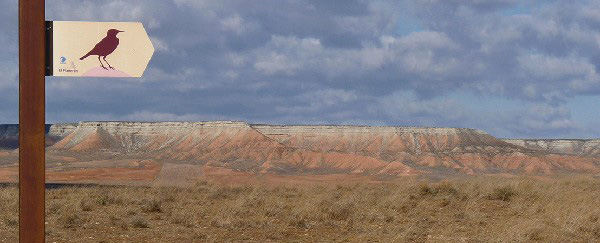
139, 221
503, 193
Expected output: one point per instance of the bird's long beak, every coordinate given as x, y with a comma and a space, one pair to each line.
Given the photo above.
120, 31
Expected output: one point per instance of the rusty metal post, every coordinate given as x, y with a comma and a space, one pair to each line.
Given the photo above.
32, 45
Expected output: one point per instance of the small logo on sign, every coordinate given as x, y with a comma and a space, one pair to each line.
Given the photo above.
63, 60
71, 69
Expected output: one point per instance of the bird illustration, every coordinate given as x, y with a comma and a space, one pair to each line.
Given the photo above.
105, 47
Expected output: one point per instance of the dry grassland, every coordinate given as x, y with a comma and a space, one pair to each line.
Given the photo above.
481, 209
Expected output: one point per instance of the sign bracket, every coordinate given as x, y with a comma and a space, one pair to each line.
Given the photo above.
49, 47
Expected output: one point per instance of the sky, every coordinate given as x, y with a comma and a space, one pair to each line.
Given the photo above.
515, 69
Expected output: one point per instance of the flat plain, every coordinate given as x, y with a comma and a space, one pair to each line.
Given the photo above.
465, 209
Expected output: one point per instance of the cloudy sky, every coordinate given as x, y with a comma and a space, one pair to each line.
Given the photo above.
511, 68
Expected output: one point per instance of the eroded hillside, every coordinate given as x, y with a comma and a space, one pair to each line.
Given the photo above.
173, 149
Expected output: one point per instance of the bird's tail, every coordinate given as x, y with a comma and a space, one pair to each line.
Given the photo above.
83, 57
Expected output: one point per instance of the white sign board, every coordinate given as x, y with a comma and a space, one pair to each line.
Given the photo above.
99, 49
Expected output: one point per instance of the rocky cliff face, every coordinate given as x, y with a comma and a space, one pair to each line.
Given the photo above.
134, 137
235, 145
9, 134
587, 147
452, 149
369, 140
317, 149
9, 130
245, 147
61, 130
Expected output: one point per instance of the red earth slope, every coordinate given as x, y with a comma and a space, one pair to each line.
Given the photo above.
320, 149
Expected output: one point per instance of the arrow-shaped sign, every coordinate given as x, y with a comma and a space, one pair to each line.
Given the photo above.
98, 49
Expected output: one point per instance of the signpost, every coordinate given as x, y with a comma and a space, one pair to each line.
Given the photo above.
32, 45
70, 49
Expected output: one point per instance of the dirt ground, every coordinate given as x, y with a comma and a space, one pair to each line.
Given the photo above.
469, 209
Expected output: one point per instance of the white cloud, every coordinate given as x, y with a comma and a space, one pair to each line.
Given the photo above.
236, 24
424, 39
329, 97
8, 77
159, 44
406, 105
287, 54
549, 67
274, 62
159, 116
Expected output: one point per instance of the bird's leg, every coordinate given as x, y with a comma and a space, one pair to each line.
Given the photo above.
108, 64
101, 64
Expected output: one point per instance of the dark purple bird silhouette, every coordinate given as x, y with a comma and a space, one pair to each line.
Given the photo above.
105, 47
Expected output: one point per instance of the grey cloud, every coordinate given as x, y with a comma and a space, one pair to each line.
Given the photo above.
406, 107
541, 120
305, 61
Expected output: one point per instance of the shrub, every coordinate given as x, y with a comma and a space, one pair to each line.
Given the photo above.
227, 192
199, 236
109, 199
139, 221
70, 218
442, 188
298, 221
182, 219
11, 221
340, 210
504, 193
152, 206
53, 207
85, 205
